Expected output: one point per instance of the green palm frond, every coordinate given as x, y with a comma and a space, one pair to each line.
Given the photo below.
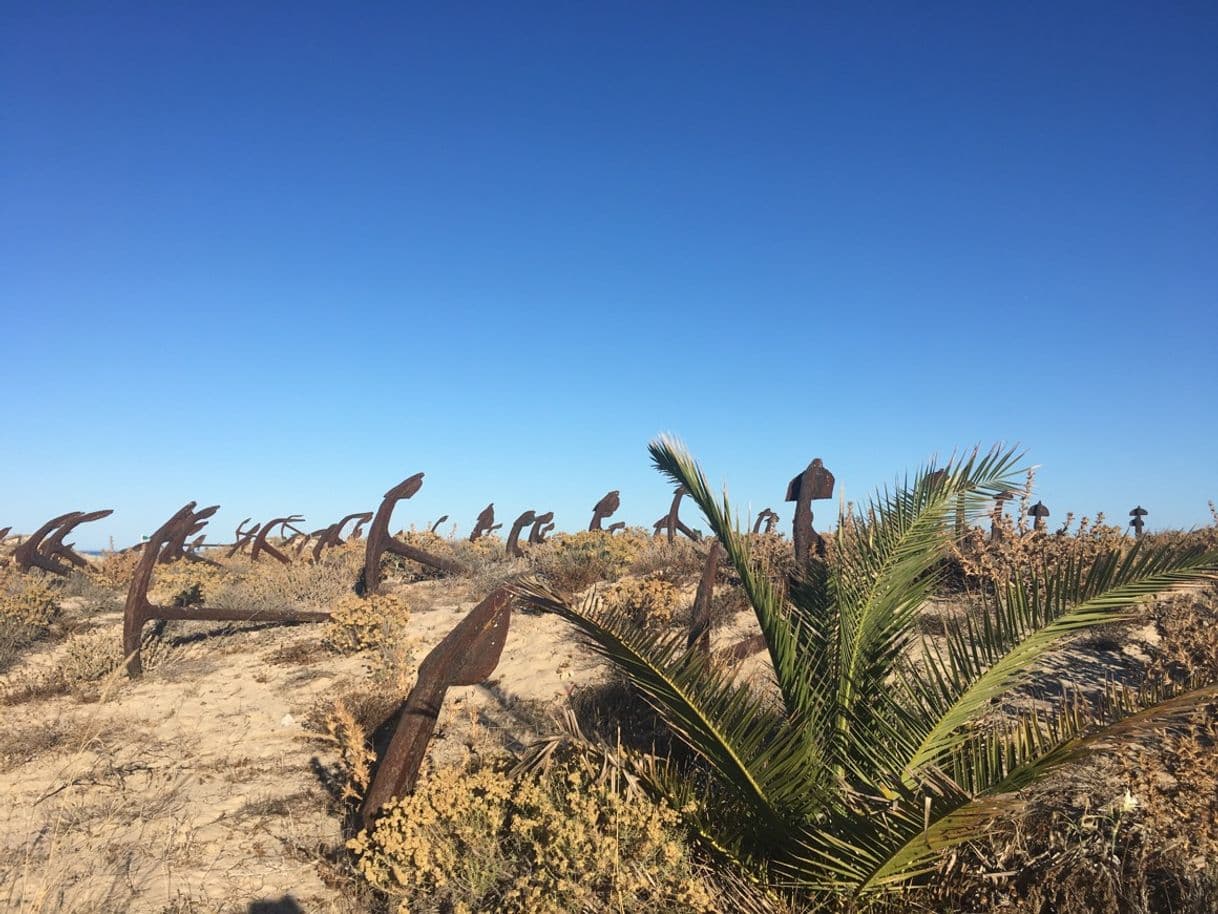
780, 631
877, 759
1015, 756
1026, 620
770, 767
883, 567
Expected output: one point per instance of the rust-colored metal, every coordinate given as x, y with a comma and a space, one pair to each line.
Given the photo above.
467, 656
513, 540
541, 526
175, 550
332, 536
45, 547
243, 537
700, 618
139, 611
323, 538
303, 540
27, 554
441, 519
770, 519
1137, 523
485, 523
605, 508
615, 527
260, 541
54, 544
381, 541
360, 519
996, 518
671, 522
1038, 512
813, 484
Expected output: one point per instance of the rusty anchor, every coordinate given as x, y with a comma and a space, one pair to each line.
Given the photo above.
813, 484
139, 611
381, 541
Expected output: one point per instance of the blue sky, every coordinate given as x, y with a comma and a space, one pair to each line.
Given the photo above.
282, 256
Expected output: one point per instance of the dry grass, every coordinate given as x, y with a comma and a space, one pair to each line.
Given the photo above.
15, 638
25, 739
1136, 834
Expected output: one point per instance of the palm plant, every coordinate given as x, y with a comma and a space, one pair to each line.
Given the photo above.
884, 747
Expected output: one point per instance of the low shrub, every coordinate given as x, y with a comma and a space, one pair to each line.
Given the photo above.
91, 656
269, 586
186, 583
1136, 835
678, 562
776, 554
84, 663
573, 562
473, 839
366, 623
649, 601
1188, 628
15, 637
30, 599
115, 569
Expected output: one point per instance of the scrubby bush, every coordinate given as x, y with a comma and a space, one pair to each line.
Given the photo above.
977, 560
1187, 625
186, 583
1134, 835
575, 561
366, 623
91, 656
115, 569
268, 586
15, 636
775, 554
476, 839
678, 562
30, 599
350, 734
86, 660
649, 601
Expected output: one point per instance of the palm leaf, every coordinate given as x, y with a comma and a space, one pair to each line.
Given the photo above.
1027, 620
883, 569
780, 631
1022, 754
769, 766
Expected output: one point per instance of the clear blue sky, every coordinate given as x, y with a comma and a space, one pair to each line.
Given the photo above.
281, 256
